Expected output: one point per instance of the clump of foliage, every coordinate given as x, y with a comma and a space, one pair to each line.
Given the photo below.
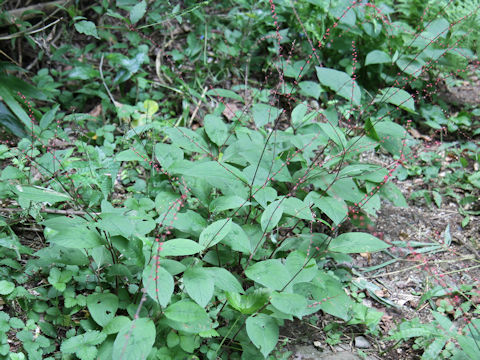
440, 337
211, 197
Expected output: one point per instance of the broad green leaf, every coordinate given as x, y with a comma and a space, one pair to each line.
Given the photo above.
138, 11
297, 208
247, 147
102, 307
344, 12
294, 69
341, 83
172, 339
344, 188
475, 179
151, 107
265, 195
167, 154
202, 190
393, 193
116, 324
468, 344
334, 133
120, 224
365, 315
411, 65
336, 209
59, 279
369, 172
298, 267
437, 291
128, 67
78, 237
249, 303
84, 345
357, 242
370, 131
4, 321
397, 97
187, 139
228, 202
16, 323
87, 28
83, 72
270, 273
215, 232
392, 136
214, 173
173, 267
39, 194
263, 332
377, 57
224, 279
265, 114
310, 88
135, 340
216, 129
48, 117
327, 293
199, 285
271, 216
61, 255
130, 155
299, 113
16, 85
190, 317
180, 247
6, 287
10, 122
158, 282
237, 239
293, 304
166, 201
299, 119
436, 29
224, 94
189, 222
14, 106
339, 305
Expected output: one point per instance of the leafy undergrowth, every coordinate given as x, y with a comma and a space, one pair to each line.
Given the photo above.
199, 173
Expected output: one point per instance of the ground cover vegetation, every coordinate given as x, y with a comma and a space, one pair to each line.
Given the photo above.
179, 180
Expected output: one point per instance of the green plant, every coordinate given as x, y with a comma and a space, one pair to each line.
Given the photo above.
212, 229
443, 337
164, 239
440, 338
12, 115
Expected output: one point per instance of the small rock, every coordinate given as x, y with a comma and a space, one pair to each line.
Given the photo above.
361, 343
342, 355
306, 352
314, 105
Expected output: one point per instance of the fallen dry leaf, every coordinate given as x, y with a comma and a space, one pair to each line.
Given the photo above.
381, 293
367, 256
96, 111
230, 110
